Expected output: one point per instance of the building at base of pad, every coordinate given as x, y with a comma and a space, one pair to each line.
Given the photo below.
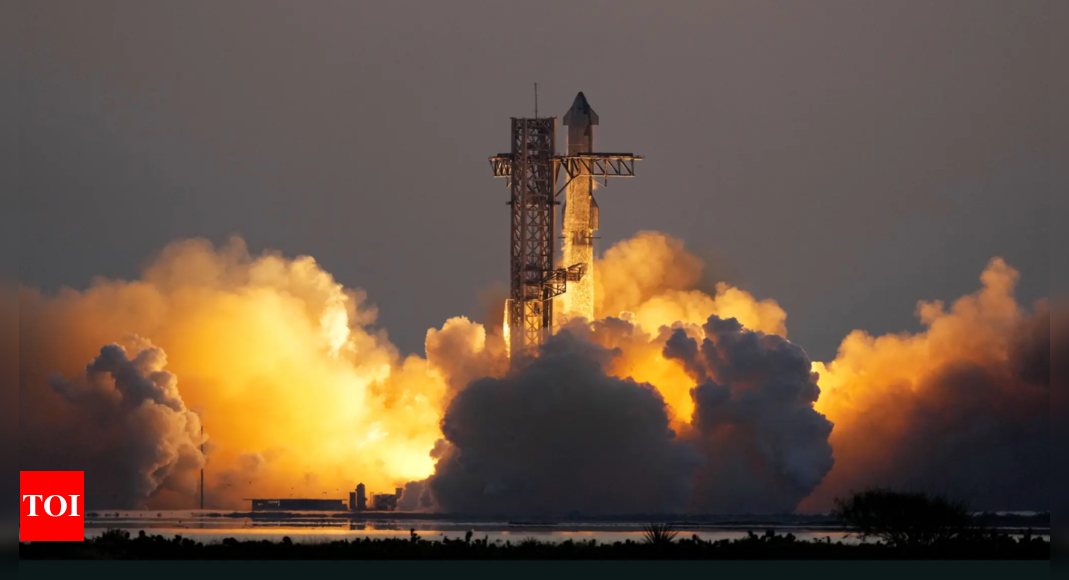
359, 501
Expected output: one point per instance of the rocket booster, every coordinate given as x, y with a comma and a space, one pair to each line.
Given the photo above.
580, 120
580, 215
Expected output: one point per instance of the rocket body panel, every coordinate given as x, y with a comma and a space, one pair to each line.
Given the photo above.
580, 216
595, 215
578, 224
580, 139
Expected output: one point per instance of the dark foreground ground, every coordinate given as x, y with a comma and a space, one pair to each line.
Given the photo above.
119, 545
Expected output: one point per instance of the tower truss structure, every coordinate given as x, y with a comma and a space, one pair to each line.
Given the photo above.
532, 169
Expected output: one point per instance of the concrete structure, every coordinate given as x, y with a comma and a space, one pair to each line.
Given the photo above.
379, 502
358, 500
385, 502
202, 468
297, 505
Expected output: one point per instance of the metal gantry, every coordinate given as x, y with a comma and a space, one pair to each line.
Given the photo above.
531, 170
532, 176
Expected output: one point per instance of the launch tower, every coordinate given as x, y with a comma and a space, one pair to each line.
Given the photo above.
532, 170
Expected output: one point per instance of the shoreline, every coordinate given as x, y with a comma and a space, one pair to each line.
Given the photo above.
760, 520
120, 545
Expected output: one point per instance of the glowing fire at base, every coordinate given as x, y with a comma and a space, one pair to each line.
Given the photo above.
505, 329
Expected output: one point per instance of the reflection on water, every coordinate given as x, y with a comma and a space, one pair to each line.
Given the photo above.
312, 528
318, 535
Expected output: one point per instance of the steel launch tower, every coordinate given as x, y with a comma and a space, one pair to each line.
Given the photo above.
532, 170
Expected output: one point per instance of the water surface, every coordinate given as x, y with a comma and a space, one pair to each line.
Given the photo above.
216, 526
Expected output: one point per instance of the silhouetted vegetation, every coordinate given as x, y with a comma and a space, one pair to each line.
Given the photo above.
905, 525
906, 520
659, 534
119, 545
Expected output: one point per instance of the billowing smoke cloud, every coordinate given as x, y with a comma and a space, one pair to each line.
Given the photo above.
637, 270
645, 286
462, 352
962, 408
281, 362
653, 279
126, 427
648, 280
243, 476
561, 436
1030, 348
762, 449
766, 448
416, 496
663, 404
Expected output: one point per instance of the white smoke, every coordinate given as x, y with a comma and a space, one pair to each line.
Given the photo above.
767, 449
128, 429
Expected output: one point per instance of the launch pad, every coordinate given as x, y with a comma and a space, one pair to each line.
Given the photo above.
532, 170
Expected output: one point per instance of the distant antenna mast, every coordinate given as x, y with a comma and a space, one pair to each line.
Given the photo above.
536, 100
202, 468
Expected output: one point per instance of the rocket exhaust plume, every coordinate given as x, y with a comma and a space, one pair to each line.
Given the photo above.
962, 408
556, 434
754, 418
559, 437
300, 395
130, 404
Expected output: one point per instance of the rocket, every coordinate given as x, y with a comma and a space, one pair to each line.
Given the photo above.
580, 214
580, 120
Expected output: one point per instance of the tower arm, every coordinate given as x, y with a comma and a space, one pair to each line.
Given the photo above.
599, 164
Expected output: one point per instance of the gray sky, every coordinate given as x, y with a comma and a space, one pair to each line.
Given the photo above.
1059, 138
9, 141
847, 158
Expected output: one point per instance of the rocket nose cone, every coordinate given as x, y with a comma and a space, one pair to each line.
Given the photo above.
580, 105
581, 112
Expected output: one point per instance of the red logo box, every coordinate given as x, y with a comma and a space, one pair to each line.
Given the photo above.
53, 506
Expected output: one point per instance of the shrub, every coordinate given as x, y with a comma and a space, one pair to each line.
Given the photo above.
905, 519
659, 534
